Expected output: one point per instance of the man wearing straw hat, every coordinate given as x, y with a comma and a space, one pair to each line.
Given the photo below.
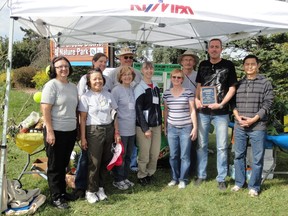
126, 57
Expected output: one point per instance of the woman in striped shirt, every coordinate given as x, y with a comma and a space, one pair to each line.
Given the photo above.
180, 126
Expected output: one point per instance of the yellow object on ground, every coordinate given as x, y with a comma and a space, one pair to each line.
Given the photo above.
29, 142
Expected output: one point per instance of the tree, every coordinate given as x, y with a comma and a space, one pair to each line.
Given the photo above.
272, 50
36, 49
31, 51
146, 52
166, 55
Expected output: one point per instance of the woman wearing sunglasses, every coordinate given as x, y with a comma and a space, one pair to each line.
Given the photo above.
180, 126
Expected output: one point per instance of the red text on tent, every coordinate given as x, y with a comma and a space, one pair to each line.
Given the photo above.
178, 9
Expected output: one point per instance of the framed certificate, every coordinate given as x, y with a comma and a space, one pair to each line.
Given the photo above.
208, 95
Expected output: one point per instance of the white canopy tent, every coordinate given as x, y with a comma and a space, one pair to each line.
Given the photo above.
173, 23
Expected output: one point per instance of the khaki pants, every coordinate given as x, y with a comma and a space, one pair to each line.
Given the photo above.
99, 139
148, 151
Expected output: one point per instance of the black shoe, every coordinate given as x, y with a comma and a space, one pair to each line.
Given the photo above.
68, 197
222, 186
60, 203
143, 181
79, 194
150, 179
199, 181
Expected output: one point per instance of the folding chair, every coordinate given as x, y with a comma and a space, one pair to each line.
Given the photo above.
278, 142
30, 142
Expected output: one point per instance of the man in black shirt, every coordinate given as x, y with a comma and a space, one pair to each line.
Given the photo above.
220, 75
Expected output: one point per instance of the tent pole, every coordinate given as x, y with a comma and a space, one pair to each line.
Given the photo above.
111, 55
6, 107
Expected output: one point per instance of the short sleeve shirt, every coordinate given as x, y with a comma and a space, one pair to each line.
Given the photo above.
99, 106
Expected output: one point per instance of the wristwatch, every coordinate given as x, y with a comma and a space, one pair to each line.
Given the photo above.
221, 106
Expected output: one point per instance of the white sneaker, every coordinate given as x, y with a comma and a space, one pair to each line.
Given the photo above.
120, 185
172, 183
235, 188
253, 193
181, 185
101, 194
129, 183
91, 197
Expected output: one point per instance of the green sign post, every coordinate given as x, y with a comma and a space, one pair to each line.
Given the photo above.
159, 68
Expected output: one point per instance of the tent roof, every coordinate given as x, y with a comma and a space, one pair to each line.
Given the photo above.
174, 23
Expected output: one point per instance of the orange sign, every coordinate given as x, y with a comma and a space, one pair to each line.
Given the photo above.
78, 55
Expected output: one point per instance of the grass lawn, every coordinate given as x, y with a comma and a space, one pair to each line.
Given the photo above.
156, 199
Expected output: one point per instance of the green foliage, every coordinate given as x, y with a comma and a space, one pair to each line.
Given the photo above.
3, 52
40, 79
23, 77
2, 104
278, 111
20, 106
22, 54
3, 77
166, 55
78, 72
33, 50
272, 51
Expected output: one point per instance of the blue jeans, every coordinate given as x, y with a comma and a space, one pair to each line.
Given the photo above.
121, 172
221, 126
81, 177
257, 140
180, 147
133, 163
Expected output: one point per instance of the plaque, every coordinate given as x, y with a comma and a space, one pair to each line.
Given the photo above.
208, 95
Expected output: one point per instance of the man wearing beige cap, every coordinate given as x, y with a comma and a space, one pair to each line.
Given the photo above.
188, 60
126, 57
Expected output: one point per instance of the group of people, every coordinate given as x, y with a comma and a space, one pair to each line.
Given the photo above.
125, 107
103, 109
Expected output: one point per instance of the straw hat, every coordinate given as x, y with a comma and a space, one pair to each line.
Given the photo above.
188, 53
125, 51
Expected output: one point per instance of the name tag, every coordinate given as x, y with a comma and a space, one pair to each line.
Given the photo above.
155, 100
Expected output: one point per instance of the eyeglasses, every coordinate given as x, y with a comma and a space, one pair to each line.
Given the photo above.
63, 66
176, 77
130, 57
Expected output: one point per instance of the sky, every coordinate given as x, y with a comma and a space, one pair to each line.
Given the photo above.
5, 23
